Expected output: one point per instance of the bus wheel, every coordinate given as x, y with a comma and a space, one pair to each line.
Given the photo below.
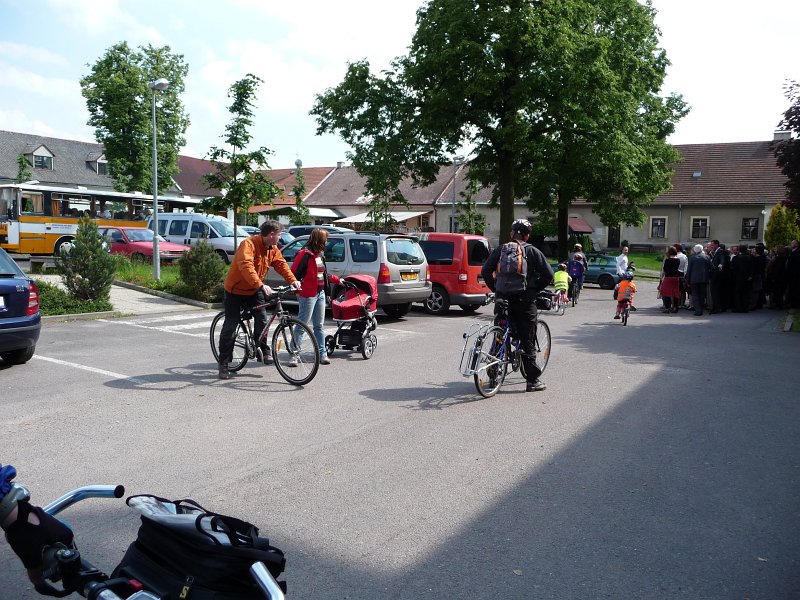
66, 244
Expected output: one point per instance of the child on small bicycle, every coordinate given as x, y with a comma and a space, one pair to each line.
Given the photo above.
624, 292
561, 281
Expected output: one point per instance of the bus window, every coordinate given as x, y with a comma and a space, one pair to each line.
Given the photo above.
32, 204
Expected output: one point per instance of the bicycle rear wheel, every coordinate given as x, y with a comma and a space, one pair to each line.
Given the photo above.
241, 343
576, 291
492, 364
542, 345
295, 351
625, 312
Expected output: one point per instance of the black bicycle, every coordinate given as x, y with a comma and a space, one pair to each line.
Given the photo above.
295, 352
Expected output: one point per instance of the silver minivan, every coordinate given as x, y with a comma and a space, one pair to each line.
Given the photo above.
396, 261
189, 228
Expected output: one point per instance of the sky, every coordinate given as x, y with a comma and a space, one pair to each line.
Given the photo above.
730, 60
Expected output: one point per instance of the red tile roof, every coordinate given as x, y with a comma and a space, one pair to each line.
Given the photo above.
286, 179
190, 176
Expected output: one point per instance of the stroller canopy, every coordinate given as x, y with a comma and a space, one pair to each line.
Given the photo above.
365, 283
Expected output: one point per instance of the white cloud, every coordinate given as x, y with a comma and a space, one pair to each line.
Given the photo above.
30, 82
100, 18
18, 121
24, 52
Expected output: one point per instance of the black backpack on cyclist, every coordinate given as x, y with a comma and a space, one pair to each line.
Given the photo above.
182, 551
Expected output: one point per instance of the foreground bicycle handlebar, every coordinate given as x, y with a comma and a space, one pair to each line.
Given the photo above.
78, 575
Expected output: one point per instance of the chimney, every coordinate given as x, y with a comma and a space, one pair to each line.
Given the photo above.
782, 135
339, 165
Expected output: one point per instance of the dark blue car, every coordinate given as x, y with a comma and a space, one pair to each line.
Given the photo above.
20, 320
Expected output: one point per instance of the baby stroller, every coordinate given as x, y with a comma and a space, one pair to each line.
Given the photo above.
354, 312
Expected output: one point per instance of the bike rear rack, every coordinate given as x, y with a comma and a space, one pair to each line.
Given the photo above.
471, 352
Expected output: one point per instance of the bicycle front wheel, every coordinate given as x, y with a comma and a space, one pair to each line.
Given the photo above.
241, 343
295, 351
492, 362
542, 345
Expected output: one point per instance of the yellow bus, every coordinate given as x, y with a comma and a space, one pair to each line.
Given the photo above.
39, 219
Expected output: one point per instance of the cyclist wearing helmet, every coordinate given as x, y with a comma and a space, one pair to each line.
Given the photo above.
561, 281
624, 292
522, 304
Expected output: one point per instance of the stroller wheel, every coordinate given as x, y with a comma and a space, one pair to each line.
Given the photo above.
368, 346
330, 344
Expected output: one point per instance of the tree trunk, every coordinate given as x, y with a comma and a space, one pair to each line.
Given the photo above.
506, 185
563, 229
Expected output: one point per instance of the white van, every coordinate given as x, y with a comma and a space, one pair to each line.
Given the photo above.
190, 228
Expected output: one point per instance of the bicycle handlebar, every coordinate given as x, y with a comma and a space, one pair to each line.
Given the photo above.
79, 575
89, 491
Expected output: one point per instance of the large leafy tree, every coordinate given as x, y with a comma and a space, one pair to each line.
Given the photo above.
788, 151
120, 109
558, 98
238, 172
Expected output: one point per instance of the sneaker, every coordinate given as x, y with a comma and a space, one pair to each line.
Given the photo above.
633, 308
535, 386
292, 362
224, 372
266, 354
324, 360
616, 316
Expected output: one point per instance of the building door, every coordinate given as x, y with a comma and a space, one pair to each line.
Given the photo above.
613, 238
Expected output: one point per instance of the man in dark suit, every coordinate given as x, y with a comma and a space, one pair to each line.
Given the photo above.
742, 266
719, 266
698, 272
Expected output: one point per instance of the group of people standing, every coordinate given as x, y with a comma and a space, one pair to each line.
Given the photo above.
739, 279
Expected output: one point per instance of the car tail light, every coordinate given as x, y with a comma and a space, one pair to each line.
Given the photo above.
383, 274
33, 301
428, 275
462, 276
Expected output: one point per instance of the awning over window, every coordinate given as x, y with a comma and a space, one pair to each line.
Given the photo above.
400, 216
287, 209
578, 225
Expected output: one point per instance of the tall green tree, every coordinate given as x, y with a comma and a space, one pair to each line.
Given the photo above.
782, 227
788, 151
558, 98
120, 109
470, 219
301, 216
23, 169
238, 171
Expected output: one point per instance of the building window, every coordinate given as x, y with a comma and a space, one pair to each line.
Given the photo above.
700, 227
749, 229
102, 168
43, 162
658, 227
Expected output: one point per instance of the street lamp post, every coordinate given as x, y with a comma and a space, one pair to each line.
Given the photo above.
157, 85
457, 160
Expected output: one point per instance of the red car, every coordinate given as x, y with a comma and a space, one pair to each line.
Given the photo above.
137, 243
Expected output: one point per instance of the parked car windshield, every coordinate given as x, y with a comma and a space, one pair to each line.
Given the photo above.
404, 251
225, 229
7, 266
141, 235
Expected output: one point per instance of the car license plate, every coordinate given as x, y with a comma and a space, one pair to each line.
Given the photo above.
408, 276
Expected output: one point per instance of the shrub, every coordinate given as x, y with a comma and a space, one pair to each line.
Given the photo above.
87, 269
202, 272
55, 301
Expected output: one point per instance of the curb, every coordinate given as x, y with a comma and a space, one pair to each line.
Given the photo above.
109, 314
167, 296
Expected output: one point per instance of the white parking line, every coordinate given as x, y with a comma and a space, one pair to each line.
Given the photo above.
166, 329
91, 369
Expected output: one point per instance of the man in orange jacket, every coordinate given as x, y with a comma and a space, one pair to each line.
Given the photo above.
244, 286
